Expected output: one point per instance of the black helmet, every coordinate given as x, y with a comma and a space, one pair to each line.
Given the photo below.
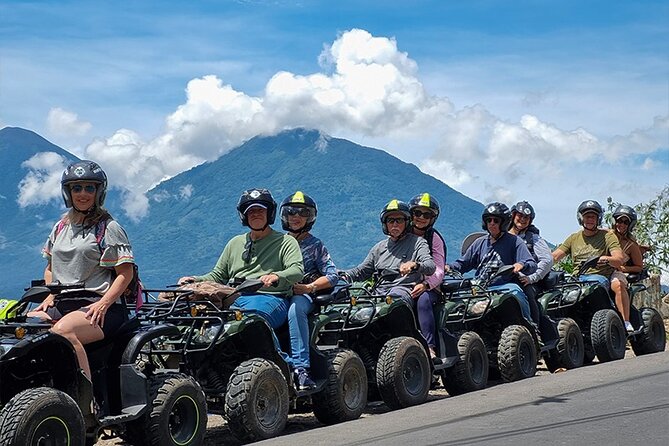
84, 171
425, 200
525, 208
298, 200
590, 206
626, 211
262, 197
499, 210
395, 206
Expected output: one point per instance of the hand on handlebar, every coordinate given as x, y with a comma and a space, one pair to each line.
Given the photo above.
186, 279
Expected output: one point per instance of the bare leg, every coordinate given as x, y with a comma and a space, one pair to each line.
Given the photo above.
622, 298
77, 329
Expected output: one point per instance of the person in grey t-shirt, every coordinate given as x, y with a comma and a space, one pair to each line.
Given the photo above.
402, 252
86, 246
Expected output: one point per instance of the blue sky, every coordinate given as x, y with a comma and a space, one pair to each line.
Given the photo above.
554, 102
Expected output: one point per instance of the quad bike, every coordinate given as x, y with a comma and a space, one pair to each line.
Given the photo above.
384, 332
233, 354
46, 399
592, 306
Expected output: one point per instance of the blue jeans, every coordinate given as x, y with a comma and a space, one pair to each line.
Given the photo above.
519, 295
603, 281
274, 309
298, 327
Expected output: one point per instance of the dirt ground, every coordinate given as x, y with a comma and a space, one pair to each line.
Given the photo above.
218, 433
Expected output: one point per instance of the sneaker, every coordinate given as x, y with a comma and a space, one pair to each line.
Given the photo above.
628, 326
303, 379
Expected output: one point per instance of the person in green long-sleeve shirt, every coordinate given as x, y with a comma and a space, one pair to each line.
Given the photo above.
263, 253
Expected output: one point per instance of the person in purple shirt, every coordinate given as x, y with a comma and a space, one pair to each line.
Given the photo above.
425, 211
499, 248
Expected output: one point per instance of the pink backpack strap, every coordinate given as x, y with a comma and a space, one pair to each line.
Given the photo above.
59, 227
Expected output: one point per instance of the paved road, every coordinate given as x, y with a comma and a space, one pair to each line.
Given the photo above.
619, 403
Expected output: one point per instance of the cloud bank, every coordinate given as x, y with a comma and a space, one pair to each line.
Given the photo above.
368, 89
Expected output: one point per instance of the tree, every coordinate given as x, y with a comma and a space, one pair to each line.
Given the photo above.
652, 230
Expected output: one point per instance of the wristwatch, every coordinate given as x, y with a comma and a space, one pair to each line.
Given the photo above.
313, 288
415, 266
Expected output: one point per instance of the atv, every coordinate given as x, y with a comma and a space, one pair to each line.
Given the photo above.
593, 308
384, 332
234, 355
46, 399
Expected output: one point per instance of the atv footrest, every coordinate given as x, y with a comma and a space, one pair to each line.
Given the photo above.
129, 414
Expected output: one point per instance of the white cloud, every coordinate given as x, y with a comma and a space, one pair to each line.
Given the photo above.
370, 91
63, 123
186, 191
42, 182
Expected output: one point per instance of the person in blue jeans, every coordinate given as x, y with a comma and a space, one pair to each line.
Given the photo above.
499, 248
262, 253
298, 215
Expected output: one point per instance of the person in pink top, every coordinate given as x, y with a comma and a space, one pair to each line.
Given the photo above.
425, 211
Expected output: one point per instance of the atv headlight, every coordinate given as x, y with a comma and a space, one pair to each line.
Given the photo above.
572, 296
205, 335
478, 307
363, 315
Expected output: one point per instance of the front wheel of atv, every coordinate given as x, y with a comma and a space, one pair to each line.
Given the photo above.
345, 394
256, 400
403, 373
652, 338
570, 349
517, 354
177, 415
471, 371
608, 335
42, 416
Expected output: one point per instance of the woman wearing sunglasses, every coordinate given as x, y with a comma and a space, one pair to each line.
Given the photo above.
298, 215
77, 252
424, 212
402, 251
625, 219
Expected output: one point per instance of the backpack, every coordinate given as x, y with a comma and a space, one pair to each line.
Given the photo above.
133, 293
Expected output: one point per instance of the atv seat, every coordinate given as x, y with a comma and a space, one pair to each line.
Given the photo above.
449, 286
552, 280
637, 277
127, 327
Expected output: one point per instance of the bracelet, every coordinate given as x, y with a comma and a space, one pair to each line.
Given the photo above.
313, 288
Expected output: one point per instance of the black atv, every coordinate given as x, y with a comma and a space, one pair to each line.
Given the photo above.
233, 355
384, 332
593, 308
46, 399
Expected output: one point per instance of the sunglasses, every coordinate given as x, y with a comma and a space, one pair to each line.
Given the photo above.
397, 220
426, 214
623, 221
77, 188
495, 220
247, 255
302, 212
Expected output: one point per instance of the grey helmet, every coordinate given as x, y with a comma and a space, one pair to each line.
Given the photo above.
590, 206
395, 205
525, 208
626, 211
84, 171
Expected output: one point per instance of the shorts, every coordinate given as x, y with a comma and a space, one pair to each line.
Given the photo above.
620, 276
114, 317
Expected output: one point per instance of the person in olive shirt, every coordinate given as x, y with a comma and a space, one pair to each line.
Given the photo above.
593, 241
263, 253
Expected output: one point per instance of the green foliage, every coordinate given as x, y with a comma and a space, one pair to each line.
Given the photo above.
652, 230
566, 265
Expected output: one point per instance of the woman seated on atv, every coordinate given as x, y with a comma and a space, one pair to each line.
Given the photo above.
402, 252
522, 219
499, 248
298, 215
425, 211
77, 252
625, 219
